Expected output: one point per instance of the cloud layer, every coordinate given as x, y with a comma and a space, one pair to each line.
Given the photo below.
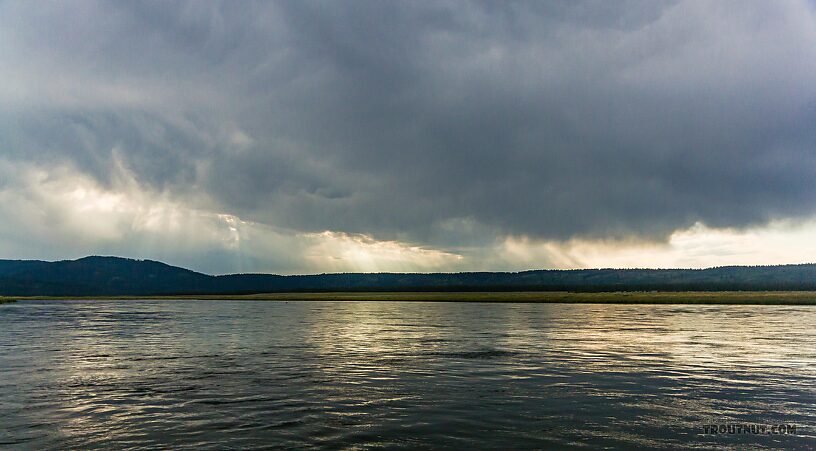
447, 129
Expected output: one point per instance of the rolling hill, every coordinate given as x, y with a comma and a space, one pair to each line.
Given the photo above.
115, 276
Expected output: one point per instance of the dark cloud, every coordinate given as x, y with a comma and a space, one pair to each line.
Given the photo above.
552, 120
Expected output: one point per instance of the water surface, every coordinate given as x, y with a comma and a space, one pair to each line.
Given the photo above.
364, 375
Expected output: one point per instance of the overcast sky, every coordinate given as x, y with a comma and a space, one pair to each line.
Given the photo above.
302, 137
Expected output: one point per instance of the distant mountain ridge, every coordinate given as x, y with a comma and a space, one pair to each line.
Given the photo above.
115, 276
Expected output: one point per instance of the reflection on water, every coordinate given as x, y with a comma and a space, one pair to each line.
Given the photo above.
237, 374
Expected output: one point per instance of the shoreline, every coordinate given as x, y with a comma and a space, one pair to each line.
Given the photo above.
542, 297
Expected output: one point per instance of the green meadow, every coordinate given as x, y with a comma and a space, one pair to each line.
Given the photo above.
689, 297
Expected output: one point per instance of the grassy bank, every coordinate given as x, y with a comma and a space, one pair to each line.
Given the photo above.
692, 297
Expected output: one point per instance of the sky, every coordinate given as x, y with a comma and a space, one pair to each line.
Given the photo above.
309, 137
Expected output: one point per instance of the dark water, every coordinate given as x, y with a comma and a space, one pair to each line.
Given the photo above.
361, 375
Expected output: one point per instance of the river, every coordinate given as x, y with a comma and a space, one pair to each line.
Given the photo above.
414, 375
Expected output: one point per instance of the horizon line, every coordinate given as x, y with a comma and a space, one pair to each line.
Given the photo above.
418, 272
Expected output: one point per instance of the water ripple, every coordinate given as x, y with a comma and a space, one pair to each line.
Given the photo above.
252, 375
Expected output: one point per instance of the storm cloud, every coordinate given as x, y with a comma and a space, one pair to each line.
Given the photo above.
442, 127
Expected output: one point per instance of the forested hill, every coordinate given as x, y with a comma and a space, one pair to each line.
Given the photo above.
109, 276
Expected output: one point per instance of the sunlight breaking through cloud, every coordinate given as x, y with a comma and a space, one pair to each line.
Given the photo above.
338, 251
423, 136
59, 205
780, 242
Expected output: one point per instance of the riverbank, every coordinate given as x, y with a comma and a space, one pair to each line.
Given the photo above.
690, 297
